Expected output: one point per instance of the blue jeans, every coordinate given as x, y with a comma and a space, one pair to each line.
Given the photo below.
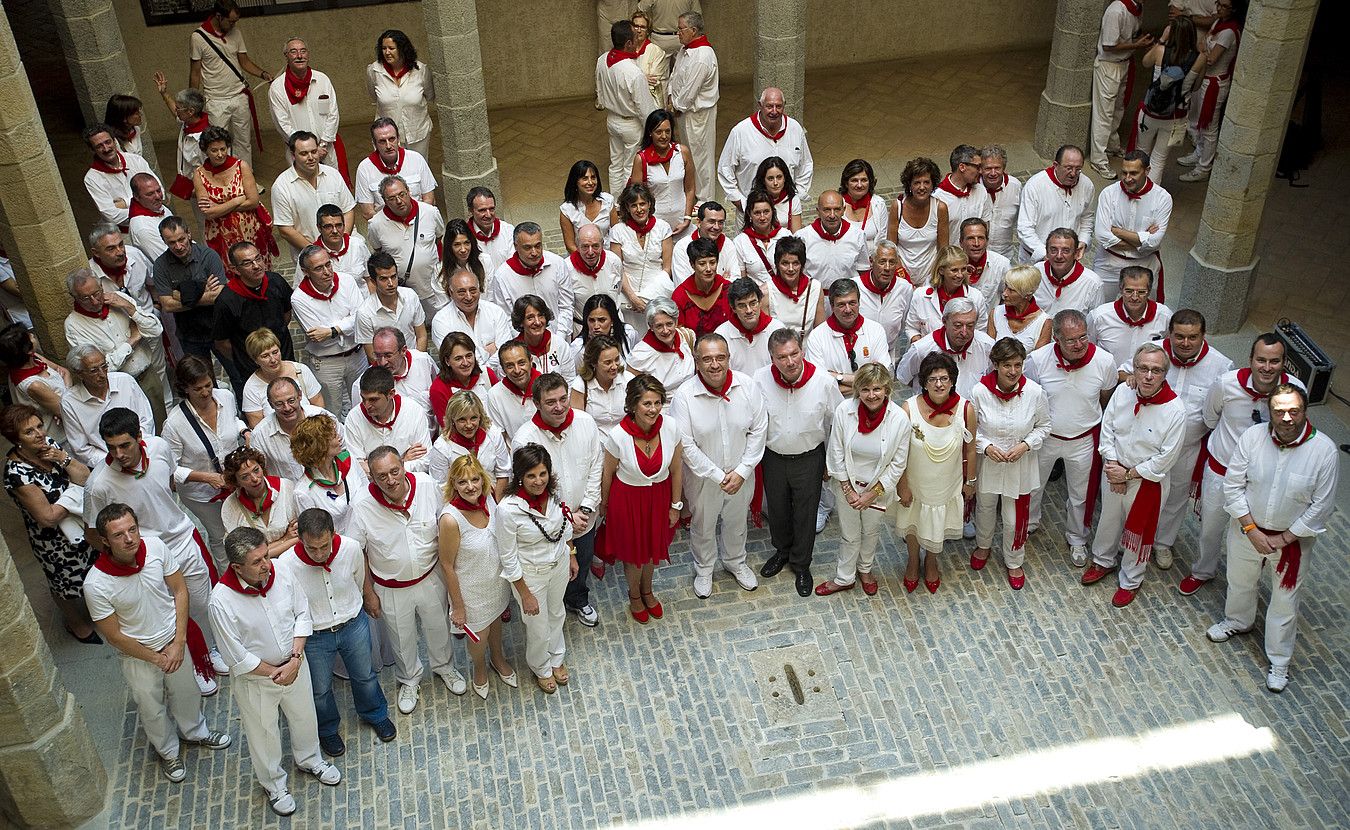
353, 643
578, 594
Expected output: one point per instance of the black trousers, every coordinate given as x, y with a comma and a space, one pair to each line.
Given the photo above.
792, 485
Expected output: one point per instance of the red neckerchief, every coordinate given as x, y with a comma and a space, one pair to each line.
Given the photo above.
1031, 309
211, 30
1074, 273
1308, 433
1133, 7
1070, 365
614, 56
473, 379
993, 194
381, 499
1050, 171
145, 463
197, 126
17, 376
691, 288
538, 420
380, 165
236, 284
650, 155
398, 404
217, 169
469, 506
326, 564
721, 393
1148, 185
990, 382
947, 187
760, 325
231, 579
819, 228
103, 167
520, 267
407, 365
308, 287
112, 567
782, 197
1149, 314
870, 284
850, 333
273, 486
474, 444
580, 264
793, 294
346, 243
643, 229
405, 221
948, 407
720, 240
389, 70
754, 119
1244, 379
630, 426
863, 201
940, 338
652, 340
526, 393
756, 235
496, 229
297, 88
138, 209
944, 297
541, 350
117, 275
977, 271
1163, 395
869, 421
538, 504
808, 370
1186, 364
701, 40
101, 314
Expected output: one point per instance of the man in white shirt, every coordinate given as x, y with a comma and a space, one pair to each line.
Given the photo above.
96, 391
139, 603
847, 340
413, 370
1120, 327
769, 131
119, 268
986, 267
347, 250
397, 526
709, 221
510, 404
391, 159
532, 270
1067, 283
496, 237
261, 616
960, 337
1116, 46
1281, 490
835, 248
591, 270
272, 435
485, 323
325, 305
722, 422
108, 179
410, 231
1005, 194
802, 400
386, 418
572, 440
304, 99
219, 62
1057, 197
147, 210
390, 305
302, 188
959, 193
692, 94
747, 332
1131, 221
331, 571
884, 296
621, 90
127, 334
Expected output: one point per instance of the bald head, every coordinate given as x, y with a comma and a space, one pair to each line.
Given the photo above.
590, 244
830, 209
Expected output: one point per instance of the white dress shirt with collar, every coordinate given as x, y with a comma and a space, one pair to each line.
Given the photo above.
1046, 206
578, 460
721, 436
333, 592
81, 411
255, 629
407, 427
802, 417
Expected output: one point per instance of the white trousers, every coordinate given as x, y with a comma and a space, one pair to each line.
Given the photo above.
1158, 137
1177, 503
625, 134
1244, 581
859, 537
1207, 139
607, 13
545, 645
1077, 457
401, 608
163, 700
1106, 550
336, 375
208, 518
708, 505
260, 702
198, 580
698, 130
1108, 105
986, 514
422, 147
1214, 521
232, 114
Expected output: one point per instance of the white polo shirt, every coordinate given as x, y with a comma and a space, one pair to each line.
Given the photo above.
142, 601
1075, 396
1080, 289
406, 314
318, 113
387, 232
295, 202
1003, 227
411, 166
350, 260
887, 306
152, 497
1111, 329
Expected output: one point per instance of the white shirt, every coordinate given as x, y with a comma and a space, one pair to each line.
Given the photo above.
756, 257
621, 89
309, 493
105, 188
338, 311
151, 496
890, 308
219, 81
521, 542
1292, 489
694, 84
255, 389
1045, 206
407, 427
576, 214
1084, 293
491, 327
411, 167
350, 261
1075, 402
1118, 26
142, 601
400, 546
925, 311
1192, 384
190, 453
802, 416
829, 260
1004, 424
878, 457
1148, 441
668, 367
990, 282
405, 316
81, 411
252, 629
272, 441
496, 250
825, 348
395, 237
721, 436
798, 314
333, 593
318, 113
1003, 227
605, 406
584, 286
419, 370
560, 357
111, 335
970, 368
135, 283
551, 283
1116, 209
404, 100
728, 259
1230, 411
747, 145
494, 455
1110, 332
506, 409
144, 232
974, 205
748, 357
577, 459
296, 203
233, 514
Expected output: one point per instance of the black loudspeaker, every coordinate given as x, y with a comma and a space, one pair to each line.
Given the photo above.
1305, 359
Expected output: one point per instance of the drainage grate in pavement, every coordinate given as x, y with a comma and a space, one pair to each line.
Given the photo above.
792, 684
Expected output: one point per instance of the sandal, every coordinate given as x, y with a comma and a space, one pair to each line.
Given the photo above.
653, 608
639, 615
547, 685
560, 674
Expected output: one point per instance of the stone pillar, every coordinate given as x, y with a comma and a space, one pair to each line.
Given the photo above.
1065, 113
50, 773
36, 225
780, 52
461, 102
1221, 268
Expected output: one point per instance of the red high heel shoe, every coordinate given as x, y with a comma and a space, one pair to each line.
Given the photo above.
932, 586
910, 585
654, 610
639, 616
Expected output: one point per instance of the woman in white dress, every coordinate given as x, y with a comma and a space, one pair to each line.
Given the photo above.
774, 178
793, 298
34, 381
600, 384
585, 202
472, 566
862, 206
940, 474
1014, 418
666, 351
917, 220
401, 87
759, 237
1019, 317
203, 412
265, 349
468, 431
950, 278
644, 246
259, 501
332, 480
651, 59
667, 169
865, 457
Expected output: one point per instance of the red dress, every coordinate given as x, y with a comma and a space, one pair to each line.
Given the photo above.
236, 226
637, 527
693, 317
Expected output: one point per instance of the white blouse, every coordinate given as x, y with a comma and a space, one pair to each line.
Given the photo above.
786, 209
647, 277
606, 407
879, 457
799, 314
309, 493
494, 455
255, 389
576, 214
873, 222
667, 187
621, 445
1003, 425
749, 250
521, 542
189, 451
233, 514
51, 423
404, 100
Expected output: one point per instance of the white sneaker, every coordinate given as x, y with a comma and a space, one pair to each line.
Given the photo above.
1277, 678
326, 773
968, 530
1078, 555
1194, 176
1105, 171
454, 681
282, 803
206, 687
822, 518
218, 663
745, 577
1190, 159
1162, 557
1219, 632
587, 615
407, 698
703, 586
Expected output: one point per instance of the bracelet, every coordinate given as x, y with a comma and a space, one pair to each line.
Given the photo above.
971, 481
298, 655
1249, 528
333, 330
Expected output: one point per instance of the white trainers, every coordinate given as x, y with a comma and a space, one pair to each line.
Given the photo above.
703, 586
1219, 632
326, 773
1078, 555
206, 687
407, 698
1162, 557
587, 615
1194, 176
1277, 678
968, 530
745, 577
218, 663
454, 681
1105, 171
282, 802
1190, 159
822, 518
173, 769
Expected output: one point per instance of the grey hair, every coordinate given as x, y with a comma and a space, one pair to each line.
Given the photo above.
99, 231
1062, 318
693, 20
1148, 348
887, 245
388, 180
959, 305
995, 150
526, 229
309, 251
76, 354
80, 276
242, 541
781, 337
661, 305
1129, 272
710, 337
191, 98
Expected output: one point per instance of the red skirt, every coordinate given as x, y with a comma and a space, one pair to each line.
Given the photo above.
637, 527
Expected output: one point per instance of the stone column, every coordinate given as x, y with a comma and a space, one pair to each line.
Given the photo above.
50, 773
36, 225
461, 102
1066, 103
1221, 268
780, 52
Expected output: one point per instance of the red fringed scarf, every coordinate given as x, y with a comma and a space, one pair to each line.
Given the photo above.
1141, 523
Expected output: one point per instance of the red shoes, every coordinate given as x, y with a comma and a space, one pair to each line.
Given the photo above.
1016, 581
1094, 573
654, 610
638, 616
824, 589
1190, 585
932, 586
1123, 597
870, 588
977, 564
910, 585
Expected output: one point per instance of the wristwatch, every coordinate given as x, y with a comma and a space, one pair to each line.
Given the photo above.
677, 505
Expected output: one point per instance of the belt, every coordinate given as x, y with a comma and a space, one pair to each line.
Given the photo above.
347, 353
790, 457
333, 629
1218, 468
1076, 437
656, 32
403, 583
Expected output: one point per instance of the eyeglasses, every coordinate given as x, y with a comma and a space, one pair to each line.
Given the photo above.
1069, 341
1134, 292
939, 381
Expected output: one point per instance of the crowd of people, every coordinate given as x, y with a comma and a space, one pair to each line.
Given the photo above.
463, 418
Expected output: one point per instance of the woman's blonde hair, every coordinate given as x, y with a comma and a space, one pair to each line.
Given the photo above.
464, 402
466, 466
947, 255
873, 374
1024, 279
260, 341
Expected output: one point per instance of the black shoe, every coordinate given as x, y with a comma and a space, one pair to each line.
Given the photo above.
774, 565
1057, 471
91, 639
384, 730
332, 745
804, 583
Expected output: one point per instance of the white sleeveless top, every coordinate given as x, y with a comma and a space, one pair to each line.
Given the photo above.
667, 187
479, 567
786, 209
1029, 334
918, 246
